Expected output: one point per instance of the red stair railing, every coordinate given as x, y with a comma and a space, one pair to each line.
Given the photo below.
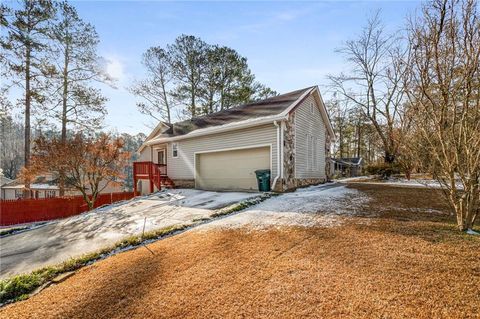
155, 173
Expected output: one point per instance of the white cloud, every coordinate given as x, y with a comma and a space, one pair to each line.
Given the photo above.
115, 68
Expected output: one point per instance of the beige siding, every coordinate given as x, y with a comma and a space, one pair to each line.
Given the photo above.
183, 166
145, 154
309, 125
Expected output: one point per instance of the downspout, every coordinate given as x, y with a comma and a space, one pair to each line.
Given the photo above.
282, 128
278, 155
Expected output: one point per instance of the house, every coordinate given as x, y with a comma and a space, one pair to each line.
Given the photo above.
45, 186
3, 180
289, 134
41, 187
346, 166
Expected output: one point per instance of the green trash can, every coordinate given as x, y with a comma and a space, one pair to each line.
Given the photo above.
263, 179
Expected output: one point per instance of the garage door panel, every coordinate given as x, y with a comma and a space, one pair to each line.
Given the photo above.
230, 170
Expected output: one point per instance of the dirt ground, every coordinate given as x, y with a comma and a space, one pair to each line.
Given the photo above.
400, 257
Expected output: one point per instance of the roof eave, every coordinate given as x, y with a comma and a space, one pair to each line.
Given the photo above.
219, 129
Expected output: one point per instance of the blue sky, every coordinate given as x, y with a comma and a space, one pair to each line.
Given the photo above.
289, 45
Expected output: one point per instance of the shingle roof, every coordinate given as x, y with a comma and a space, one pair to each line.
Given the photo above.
268, 107
4, 180
348, 160
40, 180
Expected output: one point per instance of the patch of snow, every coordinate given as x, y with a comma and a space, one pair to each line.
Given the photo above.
399, 181
59, 240
348, 179
472, 232
395, 182
324, 205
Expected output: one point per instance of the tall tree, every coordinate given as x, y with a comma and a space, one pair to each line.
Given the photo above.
156, 89
261, 92
188, 59
375, 82
24, 47
76, 65
200, 77
444, 90
228, 81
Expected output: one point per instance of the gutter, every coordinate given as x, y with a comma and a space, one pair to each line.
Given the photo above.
282, 128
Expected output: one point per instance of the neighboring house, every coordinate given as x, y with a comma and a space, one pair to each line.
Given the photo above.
45, 186
3, 180
346, 166
41, 187
289, 134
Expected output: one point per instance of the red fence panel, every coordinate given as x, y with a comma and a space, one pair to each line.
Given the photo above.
34, 210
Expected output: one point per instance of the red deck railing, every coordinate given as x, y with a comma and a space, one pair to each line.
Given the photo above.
155, 173
34, 210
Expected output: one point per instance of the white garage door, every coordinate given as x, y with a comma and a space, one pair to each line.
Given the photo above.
231, 170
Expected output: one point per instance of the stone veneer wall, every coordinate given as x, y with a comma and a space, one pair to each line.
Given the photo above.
184, 183
289, 182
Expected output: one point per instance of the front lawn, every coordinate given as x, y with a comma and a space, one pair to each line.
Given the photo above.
399, 256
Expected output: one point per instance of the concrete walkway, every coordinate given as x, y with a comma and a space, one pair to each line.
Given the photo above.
57, 241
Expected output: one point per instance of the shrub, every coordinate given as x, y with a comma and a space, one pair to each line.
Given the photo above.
383, 169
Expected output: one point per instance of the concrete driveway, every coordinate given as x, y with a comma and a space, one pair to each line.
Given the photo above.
57, 241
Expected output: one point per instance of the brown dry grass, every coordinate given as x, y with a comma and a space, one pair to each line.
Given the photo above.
403, 263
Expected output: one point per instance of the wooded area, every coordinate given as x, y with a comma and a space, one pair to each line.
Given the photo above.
414, 95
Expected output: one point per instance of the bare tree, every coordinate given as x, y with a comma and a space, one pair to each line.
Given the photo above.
76, 66
375, 82
445, 92
155, 89
339, 112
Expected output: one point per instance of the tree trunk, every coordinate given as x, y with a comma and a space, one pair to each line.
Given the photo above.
194, 111
64, 118
359, 136
389, 158
28, 97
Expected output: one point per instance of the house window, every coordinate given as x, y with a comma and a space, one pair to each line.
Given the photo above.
175, 150
308, 151
311, 107
312, 152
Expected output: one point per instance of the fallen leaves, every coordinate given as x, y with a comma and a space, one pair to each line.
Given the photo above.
404, 264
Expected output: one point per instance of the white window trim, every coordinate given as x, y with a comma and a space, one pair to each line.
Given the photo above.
312, 153
308, 151
174, 148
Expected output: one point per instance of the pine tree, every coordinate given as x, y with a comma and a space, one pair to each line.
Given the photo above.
24, 50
